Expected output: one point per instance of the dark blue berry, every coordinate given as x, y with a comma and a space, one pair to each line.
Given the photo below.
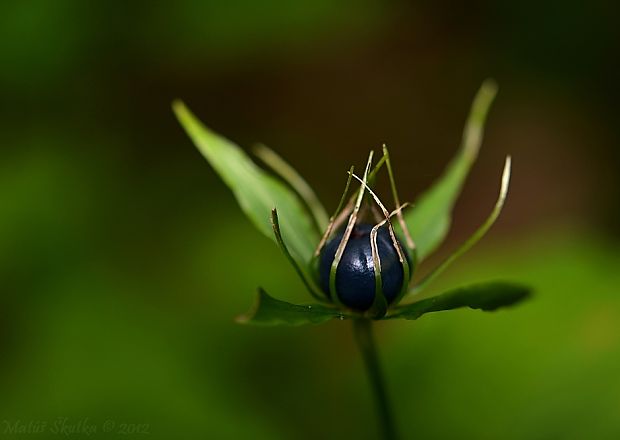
355, 277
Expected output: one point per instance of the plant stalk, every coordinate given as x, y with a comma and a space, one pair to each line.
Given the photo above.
365, 341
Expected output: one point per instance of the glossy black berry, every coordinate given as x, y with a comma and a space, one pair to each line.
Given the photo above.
355, 277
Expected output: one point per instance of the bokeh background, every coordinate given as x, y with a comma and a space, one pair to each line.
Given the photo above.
123, 258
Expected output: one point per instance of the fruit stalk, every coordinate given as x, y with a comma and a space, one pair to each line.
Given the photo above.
362, 329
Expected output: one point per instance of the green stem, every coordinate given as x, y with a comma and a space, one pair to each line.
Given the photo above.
365, 341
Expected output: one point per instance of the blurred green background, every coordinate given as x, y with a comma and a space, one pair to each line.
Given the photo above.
123, 258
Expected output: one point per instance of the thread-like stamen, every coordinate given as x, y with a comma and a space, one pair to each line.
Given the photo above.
401, 219
393, 213
342, 216
334, 219
374, 248
378, 308
347, 231
386, 213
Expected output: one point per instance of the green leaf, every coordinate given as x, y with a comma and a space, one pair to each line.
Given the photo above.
429, 219
487, 297
256, 191
269, 311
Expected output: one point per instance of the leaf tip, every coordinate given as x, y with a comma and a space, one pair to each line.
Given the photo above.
506, 177
478, 114
512, 294
242, 319
246, 318
489, 87
178, 107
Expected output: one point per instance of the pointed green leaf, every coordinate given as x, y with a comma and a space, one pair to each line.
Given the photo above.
487, 297
256, 191
269, 311
429, 219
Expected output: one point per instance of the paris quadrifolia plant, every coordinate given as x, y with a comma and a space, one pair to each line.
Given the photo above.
359, 264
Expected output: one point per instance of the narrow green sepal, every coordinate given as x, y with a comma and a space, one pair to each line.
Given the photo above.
475, 237
296, 181
305, 278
